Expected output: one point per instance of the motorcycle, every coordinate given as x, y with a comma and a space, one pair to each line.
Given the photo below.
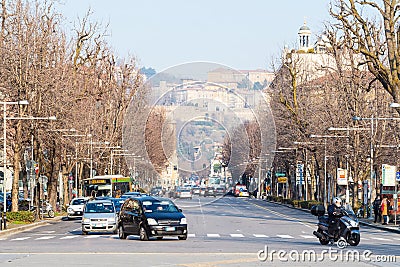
348, 231
45, 209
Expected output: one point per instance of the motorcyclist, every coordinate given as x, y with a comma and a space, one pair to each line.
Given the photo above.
334, 213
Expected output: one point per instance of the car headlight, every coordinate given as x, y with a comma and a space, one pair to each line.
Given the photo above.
151, 221
183, 221
86, 220
70, 210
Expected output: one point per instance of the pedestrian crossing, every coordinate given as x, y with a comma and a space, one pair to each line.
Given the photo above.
67, 236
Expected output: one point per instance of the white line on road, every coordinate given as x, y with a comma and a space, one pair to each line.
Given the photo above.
308, 236
45, 237
48, 232
92, 236
285, 236
191, 235
237, 235
259, 235
213, 235
380, 238
69, 237
20, 238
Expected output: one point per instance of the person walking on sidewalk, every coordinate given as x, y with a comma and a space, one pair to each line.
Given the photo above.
377, 209
384, 210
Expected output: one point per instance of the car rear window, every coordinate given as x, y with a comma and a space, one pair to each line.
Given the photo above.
78, 202
99, 208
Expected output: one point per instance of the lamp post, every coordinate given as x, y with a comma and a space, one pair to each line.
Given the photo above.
325, 159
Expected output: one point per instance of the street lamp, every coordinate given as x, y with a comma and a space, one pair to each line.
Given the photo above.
325, 158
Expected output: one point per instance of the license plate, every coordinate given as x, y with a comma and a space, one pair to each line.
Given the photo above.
99, 225
169, 228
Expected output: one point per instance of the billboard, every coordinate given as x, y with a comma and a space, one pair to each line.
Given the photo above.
388, 175
341, 176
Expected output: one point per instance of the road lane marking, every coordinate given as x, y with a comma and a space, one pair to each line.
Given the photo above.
285, 236
92, 236
308, 236
213, 235
237, 235
20, 238
259, 235
48, 232
69, 237
191, 235
45, 237
380, 238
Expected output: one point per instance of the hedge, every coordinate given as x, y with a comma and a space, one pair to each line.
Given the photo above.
20, 216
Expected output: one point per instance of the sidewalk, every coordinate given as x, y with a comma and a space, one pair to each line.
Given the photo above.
13, 228
363, 221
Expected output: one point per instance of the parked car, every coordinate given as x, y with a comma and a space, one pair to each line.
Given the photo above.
75, 208
117, 203
156, 191
202, 190
151, 217
99, 216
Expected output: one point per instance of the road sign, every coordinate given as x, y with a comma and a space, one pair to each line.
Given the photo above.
282, 180
388, 175
341, 176
398, 176
300, 174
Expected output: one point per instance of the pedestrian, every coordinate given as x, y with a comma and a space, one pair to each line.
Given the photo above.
384, 210
377, 209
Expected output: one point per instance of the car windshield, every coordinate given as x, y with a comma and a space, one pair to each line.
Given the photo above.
99, 208
78, 202
159, 206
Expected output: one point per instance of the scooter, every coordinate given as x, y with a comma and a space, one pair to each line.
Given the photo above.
45, 209
348, 229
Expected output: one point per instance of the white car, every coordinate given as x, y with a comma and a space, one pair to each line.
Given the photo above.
75, 208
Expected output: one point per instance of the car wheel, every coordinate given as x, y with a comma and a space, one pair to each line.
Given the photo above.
182, 237
121, 232
84, 233
143, 234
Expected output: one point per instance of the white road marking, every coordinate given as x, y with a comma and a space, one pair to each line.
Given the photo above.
20, 238
380, 238
191, 235
69, 237
259, 235
92, 236
363, 238
285, 236
45, 237
48, 232
308, 236
395, 238
237, 235
213, 235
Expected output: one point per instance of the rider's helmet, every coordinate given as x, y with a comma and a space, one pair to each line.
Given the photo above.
337, 202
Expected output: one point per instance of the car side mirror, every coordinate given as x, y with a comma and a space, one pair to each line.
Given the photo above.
180, 210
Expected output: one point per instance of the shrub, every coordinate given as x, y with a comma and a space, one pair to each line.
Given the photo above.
20, 216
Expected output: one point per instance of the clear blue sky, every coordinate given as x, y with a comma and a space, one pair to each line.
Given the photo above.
243, 34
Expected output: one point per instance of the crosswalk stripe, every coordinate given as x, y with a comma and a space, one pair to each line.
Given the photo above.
285, 236
69, 237
191, 235
213, 235
20, 238
396, 238
380, 238
45, 237
259, 235
307, 236
237, 235
363, 238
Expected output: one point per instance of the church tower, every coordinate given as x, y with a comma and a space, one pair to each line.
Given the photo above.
304, 38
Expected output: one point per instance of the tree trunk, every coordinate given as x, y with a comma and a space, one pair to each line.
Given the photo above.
16, 166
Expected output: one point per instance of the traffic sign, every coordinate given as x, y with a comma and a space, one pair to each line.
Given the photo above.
398, 176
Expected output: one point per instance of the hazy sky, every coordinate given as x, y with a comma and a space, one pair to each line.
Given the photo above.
243, 34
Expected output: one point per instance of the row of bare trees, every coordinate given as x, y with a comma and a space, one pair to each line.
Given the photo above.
358, 77
76, 78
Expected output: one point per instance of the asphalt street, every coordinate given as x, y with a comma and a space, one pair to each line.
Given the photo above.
225, 231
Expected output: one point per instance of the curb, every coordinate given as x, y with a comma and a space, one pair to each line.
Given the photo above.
360, 221
30, 226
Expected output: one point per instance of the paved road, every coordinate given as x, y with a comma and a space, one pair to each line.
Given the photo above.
224, 231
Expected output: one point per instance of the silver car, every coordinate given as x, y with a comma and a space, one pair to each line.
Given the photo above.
99, 216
